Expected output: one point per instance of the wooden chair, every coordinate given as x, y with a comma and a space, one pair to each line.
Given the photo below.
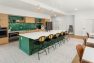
66, 36
80, 51
84, 41
88, 35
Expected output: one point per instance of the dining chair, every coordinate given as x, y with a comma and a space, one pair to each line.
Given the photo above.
80, 51
42, 45
84, 41
88, 35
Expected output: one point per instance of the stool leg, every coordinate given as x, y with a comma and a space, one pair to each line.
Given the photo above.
48, 49
38, 56
45, 51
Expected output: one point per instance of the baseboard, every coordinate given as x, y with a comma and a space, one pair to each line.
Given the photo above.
78, 36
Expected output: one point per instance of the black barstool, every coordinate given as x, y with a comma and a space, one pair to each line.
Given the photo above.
50, 41
42, 45
56, 38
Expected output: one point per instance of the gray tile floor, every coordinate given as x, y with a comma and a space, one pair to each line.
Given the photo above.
10, 53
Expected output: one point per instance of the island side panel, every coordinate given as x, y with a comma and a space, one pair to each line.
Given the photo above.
24, 44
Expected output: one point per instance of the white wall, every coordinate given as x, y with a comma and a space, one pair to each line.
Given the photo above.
82, 22
14, 11
57, 22
68, 20
62, 22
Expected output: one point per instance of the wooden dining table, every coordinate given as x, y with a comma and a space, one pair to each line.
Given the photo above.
90, 40
91, 35
88, 55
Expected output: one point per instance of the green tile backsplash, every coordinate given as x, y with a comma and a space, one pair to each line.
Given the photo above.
19, 26
23, 26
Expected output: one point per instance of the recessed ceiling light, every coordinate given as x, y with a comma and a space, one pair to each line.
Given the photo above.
76, 9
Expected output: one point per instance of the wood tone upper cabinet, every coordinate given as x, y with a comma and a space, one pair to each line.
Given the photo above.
3, 20
29, 19
43, 21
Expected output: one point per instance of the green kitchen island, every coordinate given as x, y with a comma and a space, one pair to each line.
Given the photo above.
26, 41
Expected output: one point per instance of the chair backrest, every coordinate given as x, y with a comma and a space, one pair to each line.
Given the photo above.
51, 36
66, 33
57, 34
80, 51
42, 39
62, 33
88, 35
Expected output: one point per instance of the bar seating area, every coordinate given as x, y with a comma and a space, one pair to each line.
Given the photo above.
45, 42
51, 38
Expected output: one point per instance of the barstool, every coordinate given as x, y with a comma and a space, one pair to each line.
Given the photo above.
56, 38
42, 45
66, 34
61, 37
50, 41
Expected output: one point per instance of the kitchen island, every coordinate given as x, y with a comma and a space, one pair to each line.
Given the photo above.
26, 41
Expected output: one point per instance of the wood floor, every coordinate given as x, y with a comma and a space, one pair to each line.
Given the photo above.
66, 53
76, 59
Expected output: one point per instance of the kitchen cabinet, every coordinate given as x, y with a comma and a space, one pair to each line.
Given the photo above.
4, 40
29, 19
3, 20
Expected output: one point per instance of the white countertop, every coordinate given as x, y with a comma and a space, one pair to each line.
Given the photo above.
88, 54
36, 35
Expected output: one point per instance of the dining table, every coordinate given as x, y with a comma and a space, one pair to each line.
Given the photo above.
91, 35
90, 40
88, 55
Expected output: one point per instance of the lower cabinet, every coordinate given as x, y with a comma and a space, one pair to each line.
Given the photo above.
4, 40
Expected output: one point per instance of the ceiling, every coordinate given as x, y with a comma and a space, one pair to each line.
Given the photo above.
24, 5
70, 6
67, 6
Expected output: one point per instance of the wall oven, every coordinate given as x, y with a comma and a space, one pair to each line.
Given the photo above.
3, 32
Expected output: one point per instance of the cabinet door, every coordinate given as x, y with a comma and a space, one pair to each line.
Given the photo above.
4, 40
3, 20
30, 20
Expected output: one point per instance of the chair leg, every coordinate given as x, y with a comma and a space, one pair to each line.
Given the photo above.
48, 49
45, 51
38, 56
55, 45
